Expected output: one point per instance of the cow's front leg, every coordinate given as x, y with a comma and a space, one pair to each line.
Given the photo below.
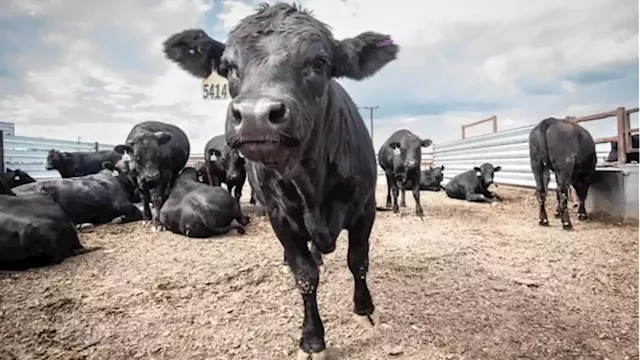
394, 199
403, 202
237, 191
358, 261
307, 277
416, 197
146, 207
313, 221
158, 198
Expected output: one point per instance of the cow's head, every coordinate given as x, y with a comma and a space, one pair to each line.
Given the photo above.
144, 153
187, 174
485, 173
407, 155
279, 63
55, 159
437, 173
201, 169
19, 177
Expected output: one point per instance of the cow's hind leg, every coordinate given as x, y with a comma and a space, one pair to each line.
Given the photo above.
146, 207
389, 182
581, 191
158, 198
562, 192
403, 202
541, 176
416, 196
395, 191
358, 261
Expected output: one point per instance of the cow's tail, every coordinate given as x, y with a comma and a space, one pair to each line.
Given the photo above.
544, 151
219, 230
378, 208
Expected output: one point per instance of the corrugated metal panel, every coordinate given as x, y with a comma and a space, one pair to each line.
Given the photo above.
7, 128
509, 149
30, 153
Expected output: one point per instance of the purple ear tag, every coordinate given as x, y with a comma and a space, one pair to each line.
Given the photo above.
384, 43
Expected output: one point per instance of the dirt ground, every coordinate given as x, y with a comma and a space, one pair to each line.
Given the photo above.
472, 281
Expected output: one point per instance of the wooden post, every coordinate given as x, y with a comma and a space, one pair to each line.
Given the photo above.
1, 151
463, 128
622, 137
495, 124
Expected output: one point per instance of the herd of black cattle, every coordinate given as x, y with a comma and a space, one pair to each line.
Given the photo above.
295, 134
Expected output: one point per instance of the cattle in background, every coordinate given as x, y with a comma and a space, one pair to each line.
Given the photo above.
158, 152
225, 165
631, 156
311, 149
96, 198
17, 177
567, 149
74, 164
430, 179
473, 185
4, 188
34, 232
400, 157
201, 171
121, 171
197, 210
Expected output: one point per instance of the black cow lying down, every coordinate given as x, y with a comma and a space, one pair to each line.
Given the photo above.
96, 199
473, 185
122, 172
430, 179
197, 210
312, 152
35, 232
4, 188
74, 164
567, 149
17, 177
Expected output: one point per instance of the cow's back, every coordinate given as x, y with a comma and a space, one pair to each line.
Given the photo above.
563, 145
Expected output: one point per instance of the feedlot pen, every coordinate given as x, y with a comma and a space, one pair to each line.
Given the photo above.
473, 281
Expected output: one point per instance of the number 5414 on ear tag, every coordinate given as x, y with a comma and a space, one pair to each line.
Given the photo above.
215, 87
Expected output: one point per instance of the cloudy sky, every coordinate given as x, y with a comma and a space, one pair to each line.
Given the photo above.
93, 69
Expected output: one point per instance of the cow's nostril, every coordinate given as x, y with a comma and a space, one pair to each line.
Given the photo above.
278, 113
237, 116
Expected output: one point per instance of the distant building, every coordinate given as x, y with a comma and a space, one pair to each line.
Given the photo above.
7, 128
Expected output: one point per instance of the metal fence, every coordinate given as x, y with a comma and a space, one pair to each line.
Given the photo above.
509, 149
30, 153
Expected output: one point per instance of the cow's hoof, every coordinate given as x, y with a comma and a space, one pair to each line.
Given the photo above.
158, 228
285, 269
368, 321
302, 355
118, 220
544, 222
145, 222
582, 216
567, 226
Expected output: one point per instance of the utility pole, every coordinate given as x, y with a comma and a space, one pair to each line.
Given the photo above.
370, 108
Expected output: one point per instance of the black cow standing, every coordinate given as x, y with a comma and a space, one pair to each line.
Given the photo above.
430, 179
74, 164
34, 232
631, 156
158, 152
196, 210
225, 165
96, 198
400, 157
567, 149
17, 177
473, 185
311, 150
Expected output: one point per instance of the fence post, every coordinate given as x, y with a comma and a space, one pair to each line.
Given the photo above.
1, 151
96, 146
463, 128
495, 123
622, 135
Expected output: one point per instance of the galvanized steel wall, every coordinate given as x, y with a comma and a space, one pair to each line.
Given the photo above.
509, 149
30, 153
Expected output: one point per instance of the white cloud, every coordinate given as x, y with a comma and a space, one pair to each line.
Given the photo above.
94, 69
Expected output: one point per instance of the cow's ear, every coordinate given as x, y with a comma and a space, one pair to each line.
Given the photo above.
363, 55
442, 167
497, 168
162, 137
121, 149
477, 171
426, 142
194, 52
